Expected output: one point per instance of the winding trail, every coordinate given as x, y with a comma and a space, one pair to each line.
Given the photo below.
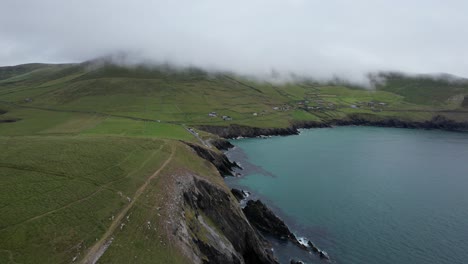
195, 134
98, 249
101, 188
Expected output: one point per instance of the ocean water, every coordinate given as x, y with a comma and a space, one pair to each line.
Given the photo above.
364, 194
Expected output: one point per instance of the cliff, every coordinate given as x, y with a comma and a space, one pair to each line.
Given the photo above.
234, 131
264, 219
221, 144
213, 228
218, 159
437, 122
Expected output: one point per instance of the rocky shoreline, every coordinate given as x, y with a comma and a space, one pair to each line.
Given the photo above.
236, 131
231, 239
256, 212
267, 222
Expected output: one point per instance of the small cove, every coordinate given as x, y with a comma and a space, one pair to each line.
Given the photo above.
364, 194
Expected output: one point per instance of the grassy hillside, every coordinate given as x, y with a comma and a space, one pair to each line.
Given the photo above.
187, 96
85, 144
57, 193
14, 71
425, 89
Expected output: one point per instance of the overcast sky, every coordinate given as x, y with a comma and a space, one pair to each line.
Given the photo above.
309, 37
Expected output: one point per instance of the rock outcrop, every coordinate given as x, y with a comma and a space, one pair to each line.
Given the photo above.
437, 122
265, 220
221, 144
235, 131
295, 261
322, 254
218, 159
239, 194
218, 230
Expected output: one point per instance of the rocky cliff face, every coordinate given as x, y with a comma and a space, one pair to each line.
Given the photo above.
221, 144
218, 159
264, 219
234, 131
213, 228
437, 122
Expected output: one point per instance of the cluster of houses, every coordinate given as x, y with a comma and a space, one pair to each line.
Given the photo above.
322, 106
319, 105
374, 106
282, 108
228, 118
224, 117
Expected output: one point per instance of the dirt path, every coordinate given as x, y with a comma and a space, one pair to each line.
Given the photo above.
102, 187
98, 249
195, 134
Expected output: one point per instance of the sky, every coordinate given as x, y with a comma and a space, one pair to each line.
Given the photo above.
315, 38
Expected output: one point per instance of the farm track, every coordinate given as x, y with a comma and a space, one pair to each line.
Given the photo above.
98, 249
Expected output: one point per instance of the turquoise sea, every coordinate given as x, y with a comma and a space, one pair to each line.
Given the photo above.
364, 194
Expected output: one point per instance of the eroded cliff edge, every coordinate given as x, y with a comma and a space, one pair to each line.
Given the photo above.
221, 231
212, 227
436, 122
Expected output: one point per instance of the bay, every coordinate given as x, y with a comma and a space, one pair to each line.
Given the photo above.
364, 194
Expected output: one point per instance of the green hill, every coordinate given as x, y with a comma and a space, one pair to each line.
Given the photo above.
187, 96
92, 162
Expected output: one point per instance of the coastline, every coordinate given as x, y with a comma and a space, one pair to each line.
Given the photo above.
280, 230
235, 131
428, 146
226, 133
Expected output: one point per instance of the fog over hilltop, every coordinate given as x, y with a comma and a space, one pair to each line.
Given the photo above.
318, 39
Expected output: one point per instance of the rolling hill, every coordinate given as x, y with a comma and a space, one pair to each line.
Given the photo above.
96, 165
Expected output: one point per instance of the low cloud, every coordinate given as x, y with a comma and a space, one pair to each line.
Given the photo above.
324, 40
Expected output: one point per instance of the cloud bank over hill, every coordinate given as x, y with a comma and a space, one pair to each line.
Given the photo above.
320, 39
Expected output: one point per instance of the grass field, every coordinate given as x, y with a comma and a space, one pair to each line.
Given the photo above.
92, 144
58, 192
